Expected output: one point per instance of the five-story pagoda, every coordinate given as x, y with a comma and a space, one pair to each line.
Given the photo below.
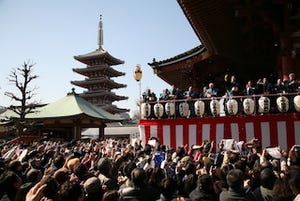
99, 74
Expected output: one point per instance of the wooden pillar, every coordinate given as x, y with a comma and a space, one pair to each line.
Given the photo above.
77, 129
101, 132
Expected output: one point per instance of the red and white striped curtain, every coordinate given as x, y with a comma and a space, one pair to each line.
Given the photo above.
273, 130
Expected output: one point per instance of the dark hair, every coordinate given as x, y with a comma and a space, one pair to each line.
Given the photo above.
156, 176
33, 175
138, 177
168, 187
147, 149
8, 179
294, 178
235, 179
59, 161
70, 191
127, 169
111, 195
224, 171
282, 190
13, 165
93, 189
80, 170
51, 189
61, 176
295, 157
180, 151
267, 178
190, 168
233, 157
189, 184
104, 166
205, 182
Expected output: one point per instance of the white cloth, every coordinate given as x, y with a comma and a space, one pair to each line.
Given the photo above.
297, 198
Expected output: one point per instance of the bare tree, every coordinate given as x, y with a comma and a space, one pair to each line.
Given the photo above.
22, 78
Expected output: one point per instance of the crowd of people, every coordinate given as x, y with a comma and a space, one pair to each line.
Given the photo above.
117, 170
230, 86
120, 170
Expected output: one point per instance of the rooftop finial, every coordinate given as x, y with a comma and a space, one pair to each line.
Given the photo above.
100, 34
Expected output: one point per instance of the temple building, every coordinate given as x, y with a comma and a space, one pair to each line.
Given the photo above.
99, 74
251, 39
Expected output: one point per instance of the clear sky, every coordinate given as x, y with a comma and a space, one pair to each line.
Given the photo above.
49, 33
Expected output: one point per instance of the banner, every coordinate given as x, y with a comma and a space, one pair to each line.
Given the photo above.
271, 129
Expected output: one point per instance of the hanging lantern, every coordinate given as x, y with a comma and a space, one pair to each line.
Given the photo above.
248, 105
232, 106
282, 104
297, 103
184, 109
146, 110
199, 108
170, 108
215, 107
137, 73
263, 104
158, 110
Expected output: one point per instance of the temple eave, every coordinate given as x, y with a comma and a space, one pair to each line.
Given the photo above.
108, 95
199, 50
113, 109
105, 71
99, 81
184, 63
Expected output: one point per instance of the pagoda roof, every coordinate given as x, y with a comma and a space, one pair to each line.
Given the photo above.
98, 55
104, 94
99, 81
114, 109
104, 69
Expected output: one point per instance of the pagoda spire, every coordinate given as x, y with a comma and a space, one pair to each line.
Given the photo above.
100, 33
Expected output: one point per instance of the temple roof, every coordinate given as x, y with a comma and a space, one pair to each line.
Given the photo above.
108, 83
183, 56
71, 106
100, 56
249, 33
104, 69
239, 37
180, 65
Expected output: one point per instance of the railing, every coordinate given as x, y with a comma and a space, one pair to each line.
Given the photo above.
222, 106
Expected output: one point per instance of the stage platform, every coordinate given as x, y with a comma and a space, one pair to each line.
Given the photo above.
272, 129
